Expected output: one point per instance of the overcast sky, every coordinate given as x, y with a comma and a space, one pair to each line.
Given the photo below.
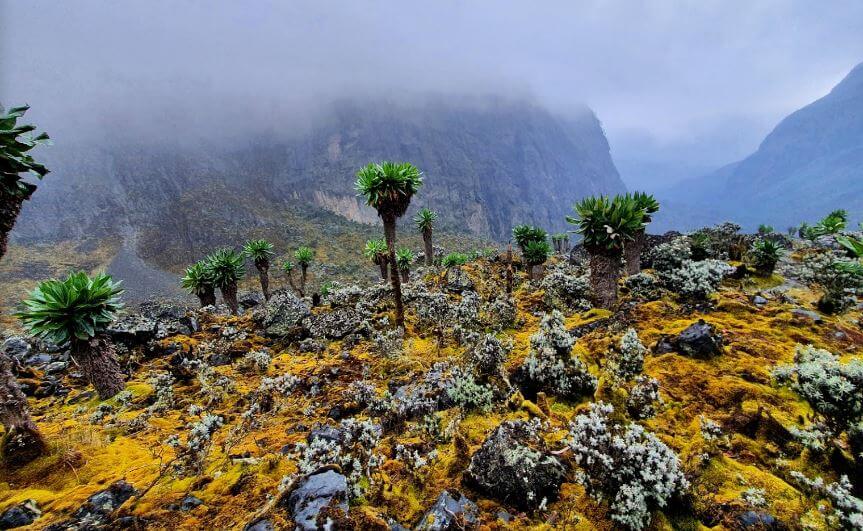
669, 80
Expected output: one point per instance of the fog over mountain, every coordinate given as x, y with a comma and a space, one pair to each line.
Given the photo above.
682, 77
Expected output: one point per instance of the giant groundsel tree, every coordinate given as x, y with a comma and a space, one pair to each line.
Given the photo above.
388, 188
632, 249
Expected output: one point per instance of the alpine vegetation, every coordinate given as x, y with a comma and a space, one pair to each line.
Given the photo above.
76, 312
227, 267
198, 280
632, 250
260, 252
424, 221
388, 187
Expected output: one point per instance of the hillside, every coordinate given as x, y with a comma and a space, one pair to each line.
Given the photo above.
484, 415
809, 164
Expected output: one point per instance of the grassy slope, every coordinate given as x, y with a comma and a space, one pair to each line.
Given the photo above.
87, 457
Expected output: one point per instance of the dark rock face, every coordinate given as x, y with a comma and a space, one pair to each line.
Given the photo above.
457, 281
451, 512
315, 492
260, 525
20, 515
758, 520
16, 348
698, 340
651, 242
282, 316
154, 320
514, 466
96, 512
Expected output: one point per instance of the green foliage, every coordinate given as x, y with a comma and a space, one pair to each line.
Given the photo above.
304, 256
79, 307
326, 288
852, 244
375, 250
832, 223
454, 259
536, 252
647, 203
764, 254
765, 229
560, 237
227, 266
258, 250
699, 245
425, 219
524, 234
606, 224
287, 266
14, 158
198, 278
389, 186
404, 259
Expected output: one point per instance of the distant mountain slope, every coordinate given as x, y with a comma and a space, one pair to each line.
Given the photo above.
811, 163
487, 166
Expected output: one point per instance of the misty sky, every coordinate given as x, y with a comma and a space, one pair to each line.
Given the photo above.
681, 86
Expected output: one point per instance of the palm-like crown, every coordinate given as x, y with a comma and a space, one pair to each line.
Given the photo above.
536, 252
227, 267
524, 234
375, 250
198, 278
389, 186
304, 256
78, 307
647, 203
404, 258
14, 159
425, 219
287, 266
258, 250
606, 224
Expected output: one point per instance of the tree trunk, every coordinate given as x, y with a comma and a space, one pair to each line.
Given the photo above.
509, 268
10, 207
383, 263
98, 362
303, 275
23, 442
604, 273
429, 250
264, 277
390, 235
406, 275
229, 295
208, 297
632, 252
293, 285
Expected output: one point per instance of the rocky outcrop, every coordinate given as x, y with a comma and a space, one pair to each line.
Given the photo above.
312, 494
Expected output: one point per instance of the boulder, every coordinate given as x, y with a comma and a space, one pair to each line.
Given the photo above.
20, 515
105, 501
457, 281
699, 340
514, 466
335, 324
312, 494
16, 347
802, 314
451, 512
250, 300
282, 316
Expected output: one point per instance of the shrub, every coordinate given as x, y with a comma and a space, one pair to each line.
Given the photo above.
699, 245
625, 464
466, 393
764, 254
670, 255
847, 509
627, 361
643, 286
488, 356
454, 259
525, 234
550, 364
565, 291
643, 398
696, 280
839, 278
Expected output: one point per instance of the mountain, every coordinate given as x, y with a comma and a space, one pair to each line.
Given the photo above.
162, 204
810, 164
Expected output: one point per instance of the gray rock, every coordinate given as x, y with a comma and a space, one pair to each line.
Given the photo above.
807, 315
282, 316
105, 501
260, 525
133, 329
20, 515
16, 347
458, 281
56, 367
449, 513
758, 300
190, 502
335, 324
514, 466
250, 300
758, 520
699, 340
315, 492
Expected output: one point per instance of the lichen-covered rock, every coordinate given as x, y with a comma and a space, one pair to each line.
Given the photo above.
16, 348
312, 494
565, 290
450, 512
699, 340
514, 466
282, 316
20, 515
96, 512
457, 281
335, 324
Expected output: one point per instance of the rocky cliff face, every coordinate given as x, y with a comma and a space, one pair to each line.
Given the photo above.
807, 166
487, 167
